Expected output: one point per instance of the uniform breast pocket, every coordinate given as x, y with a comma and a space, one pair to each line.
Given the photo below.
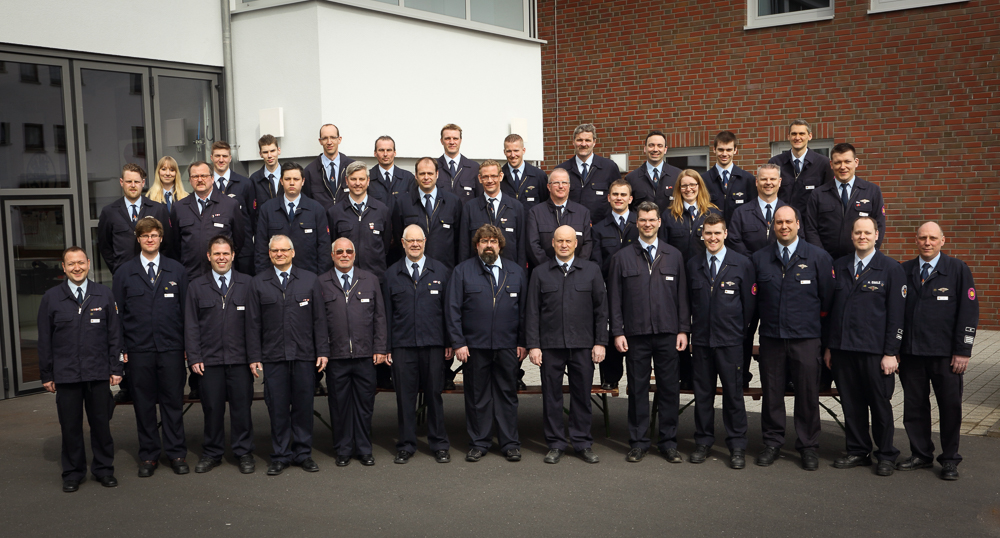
610, 242
512, 290
220, 225
943, 295
332, 298
548, 289
205, 305
805, 278
62, 319
875, 289
366, 299
447, 225
307, 226
863, 208
344, 227
376, 228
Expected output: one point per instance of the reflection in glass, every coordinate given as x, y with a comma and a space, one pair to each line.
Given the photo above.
773, 7
505, 13
452, 8
698, 163
30, 106
186, 119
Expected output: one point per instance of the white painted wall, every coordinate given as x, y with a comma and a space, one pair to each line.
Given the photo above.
188, 31
373, 74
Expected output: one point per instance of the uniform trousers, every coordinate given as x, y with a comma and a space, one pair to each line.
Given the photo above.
491, 394
613, 366
351, 395
748, 346
580, 368
726, 364
231, 383
71, 400
916, 375
158, 379
289, 393
662, 349
800, 358
864, 387
417, 369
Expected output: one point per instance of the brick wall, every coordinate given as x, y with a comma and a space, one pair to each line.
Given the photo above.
916, 91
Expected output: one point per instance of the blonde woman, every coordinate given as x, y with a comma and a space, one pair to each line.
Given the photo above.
682, 221
166, 188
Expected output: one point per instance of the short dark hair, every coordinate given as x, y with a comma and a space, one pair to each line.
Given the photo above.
487, 231
713, 219
383, 138
843, 147
289, 166
802, 122
73, 248
798, 216
724, 137
621, 182
221, 144
267, 140
219, 240
648, 206
148, 224
422, 159
132, 167
198, 163
655, 132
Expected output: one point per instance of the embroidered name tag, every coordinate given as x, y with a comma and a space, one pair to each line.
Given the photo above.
168, 295
729, 292
467, 188
365, 300
942, 298
443, 225
863, 214
434, 292
670, 278
304, 303
95, 321
806, 281
511, 230
241, 307
810, 187
599, 193
529, 199
513, 295
579, 233
219, 225
739, 201
307, 231
376, 232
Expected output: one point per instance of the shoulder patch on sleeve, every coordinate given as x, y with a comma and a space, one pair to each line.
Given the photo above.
972, 294
753, 290
903, 290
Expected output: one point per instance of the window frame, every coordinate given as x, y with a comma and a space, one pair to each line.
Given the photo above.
755, 21
816, 144
691, 151
887, 6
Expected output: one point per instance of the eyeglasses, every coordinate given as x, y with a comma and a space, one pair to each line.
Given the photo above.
349, 251
417, 241
489, 241
145, 237
490, 176
280, 250
202, 176
689, 187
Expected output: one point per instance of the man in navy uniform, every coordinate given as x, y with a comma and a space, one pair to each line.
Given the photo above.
437, 212
324, 176
590, 175
795, 283
495, 208
240, 189
266, 181
364, 220
527, 183
942, 315
612, 234
650, 319
866, 331
79, 354
286, 331
729, 186
150, 291
196, 219
802, 169
414, 294
654, 179
566, 325
216, 342
388, 183
457, 173
355, 322
720, 286
298, 217
116, 225
558, 210
485, 320
833, 207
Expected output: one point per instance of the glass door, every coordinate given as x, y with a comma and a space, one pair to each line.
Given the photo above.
186, 112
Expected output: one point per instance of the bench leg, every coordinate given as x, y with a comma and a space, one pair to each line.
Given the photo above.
832, 414
421, 409
323, 420
607, 417
654, 431
685, 406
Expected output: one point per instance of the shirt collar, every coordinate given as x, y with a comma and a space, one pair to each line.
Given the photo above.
650, 168
433, 193
277, 172
295, 201
719, 168
763, 205
391, 171
687, 206
850, 185
326, 162
497, 198
569, 263
364, 201
933, 262
791, 248
207, 198
340, 276
616, 215
645, 245
498, 264
128, 205
156, 262
278, 271
228, 274
865, 261
457, 159
72, 287
216, 176
520, 170
420, 264
718, 258
589, 162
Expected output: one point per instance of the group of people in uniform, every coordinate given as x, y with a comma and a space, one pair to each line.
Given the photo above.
376, 277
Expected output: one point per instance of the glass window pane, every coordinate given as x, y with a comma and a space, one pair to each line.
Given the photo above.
393, 2
506, 13
698, 163
186, 120
115, 126
32, 127
773, 7
452, 8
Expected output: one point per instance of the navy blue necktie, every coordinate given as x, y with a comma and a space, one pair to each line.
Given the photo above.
428, 206
291, 211
167, 197
333, 178
151, 272
202, 206
135, 215
583, 175
270, 185
222, 186
347, 282
452, 168
284, 280
493, 211
693, 211
359, 207
926, 272
798, 167
844, 198
649, 253
517, 181
493, 278
784, 256
79, 295
222, 285
712, 270
725, 179
656, 176
767, 214
857, 272
565, 269
416, 271
621, 223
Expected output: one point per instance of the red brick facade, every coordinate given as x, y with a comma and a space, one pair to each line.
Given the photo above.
916, 91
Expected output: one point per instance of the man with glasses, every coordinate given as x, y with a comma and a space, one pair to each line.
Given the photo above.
116, 225
324, 176
496, 208
558, 210
196, 219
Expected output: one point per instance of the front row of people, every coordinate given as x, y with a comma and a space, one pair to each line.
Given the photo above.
859, 314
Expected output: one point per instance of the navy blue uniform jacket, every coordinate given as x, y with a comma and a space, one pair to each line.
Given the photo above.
152, 314
116, 232
479, 318
465, 183
370, 231
192, 230
286, 325
684, 233
816, 171
592, 194
609, 238
511, 220
441, 226
263, 190
415, 311
309, 232
720, 309
533, 189
542, 223
355, 318
241, 190
566, 311
793, 302
749, 232
215, 332
662, 194
829, 226
742, 190
647, 299
867, 314
942, 314
317, 186
78, 343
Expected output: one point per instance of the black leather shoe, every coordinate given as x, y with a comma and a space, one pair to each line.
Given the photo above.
810, 460
442, 456
343, 461
108, 481
851, 461
309, 466
147, 468
672, 455
179, 466
609, 386
635, 455
738, 458
247, 464
553, 456
194, 394
449, 384
123, 396
521, 386
589, 456
949, 471
885, 468
367, 459
276, 468
913, 463
474, 455
767, 456
513, 454
699, 455
320, 390
402, 457
69, 486
206, 464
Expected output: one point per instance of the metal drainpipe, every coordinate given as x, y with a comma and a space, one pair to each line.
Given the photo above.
227, 78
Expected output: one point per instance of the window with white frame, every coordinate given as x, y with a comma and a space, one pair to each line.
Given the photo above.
766, 13
819, 145
881, 6
695, 158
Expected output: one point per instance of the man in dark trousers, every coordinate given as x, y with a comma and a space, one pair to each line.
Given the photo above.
437, 212
795, 283
566, 323
457, 173
833, 207
590, 175
720, 287
216, 341
286, 331
79, 354
802, 169
298, 217
324, 176
485, 320
654, 179
558, 210
942, 315
650, 319
150, 291
240, 189
729, 186
612, 234
364, 220
495, 208
866, 331
527, 183
266, 181
355, 322
116, 225
414, 294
